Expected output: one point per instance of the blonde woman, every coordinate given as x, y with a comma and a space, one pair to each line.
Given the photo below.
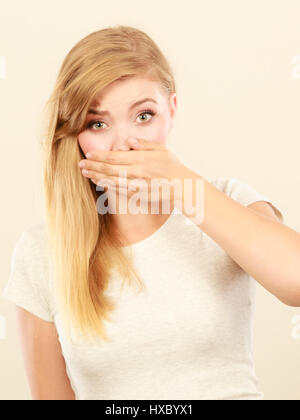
145, 305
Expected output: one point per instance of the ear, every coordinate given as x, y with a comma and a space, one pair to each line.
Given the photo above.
173, 104
173, 107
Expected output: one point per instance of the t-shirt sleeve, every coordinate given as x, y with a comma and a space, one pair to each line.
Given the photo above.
26, 283
243, 193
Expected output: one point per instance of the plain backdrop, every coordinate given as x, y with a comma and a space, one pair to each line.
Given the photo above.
237, 69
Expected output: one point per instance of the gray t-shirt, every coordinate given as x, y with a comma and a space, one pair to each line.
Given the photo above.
188, 337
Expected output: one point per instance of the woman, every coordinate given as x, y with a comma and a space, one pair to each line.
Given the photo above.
187, 333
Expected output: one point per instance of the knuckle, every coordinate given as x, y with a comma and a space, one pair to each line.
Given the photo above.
137, 173
141, 158
103, 166
110, 157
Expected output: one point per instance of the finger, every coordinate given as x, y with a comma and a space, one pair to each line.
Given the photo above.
113, 157
114, 180
105, 168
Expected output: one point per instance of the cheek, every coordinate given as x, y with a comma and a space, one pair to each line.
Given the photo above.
160, 132
88, 142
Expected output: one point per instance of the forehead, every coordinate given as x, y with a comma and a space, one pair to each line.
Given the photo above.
129, 89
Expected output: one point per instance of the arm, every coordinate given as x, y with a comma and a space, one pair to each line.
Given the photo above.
253, 237
44, 363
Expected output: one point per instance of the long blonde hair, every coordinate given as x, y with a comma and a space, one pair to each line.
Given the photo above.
83, 245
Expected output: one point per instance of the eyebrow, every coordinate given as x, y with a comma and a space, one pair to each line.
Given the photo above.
94, 111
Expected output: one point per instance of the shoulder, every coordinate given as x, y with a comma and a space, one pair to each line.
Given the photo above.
238, 189
246, 194
226, 184
30, 273
33, 235
31, 246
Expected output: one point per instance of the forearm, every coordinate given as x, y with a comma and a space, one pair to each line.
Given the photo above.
268, 250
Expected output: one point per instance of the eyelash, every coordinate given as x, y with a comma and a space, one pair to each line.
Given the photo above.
146, 111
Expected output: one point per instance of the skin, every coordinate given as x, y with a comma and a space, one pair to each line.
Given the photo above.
111, 133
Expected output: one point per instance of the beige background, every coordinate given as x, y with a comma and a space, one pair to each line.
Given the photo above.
237, 67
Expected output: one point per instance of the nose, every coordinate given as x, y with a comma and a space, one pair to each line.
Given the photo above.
121, 145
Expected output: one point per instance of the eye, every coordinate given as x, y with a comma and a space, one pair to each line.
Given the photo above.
94, 122
91, 123
147, 111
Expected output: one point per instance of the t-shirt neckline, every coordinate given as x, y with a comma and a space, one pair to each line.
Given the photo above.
155, 234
